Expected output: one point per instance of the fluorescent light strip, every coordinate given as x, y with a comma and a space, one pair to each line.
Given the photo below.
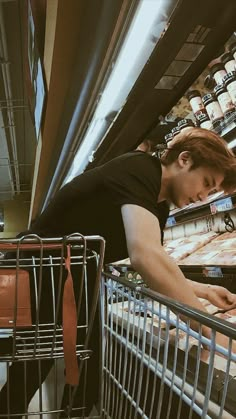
148, 24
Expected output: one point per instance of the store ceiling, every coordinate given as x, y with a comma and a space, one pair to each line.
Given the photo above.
17, 139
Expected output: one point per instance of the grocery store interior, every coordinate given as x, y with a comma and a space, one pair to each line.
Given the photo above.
82, 82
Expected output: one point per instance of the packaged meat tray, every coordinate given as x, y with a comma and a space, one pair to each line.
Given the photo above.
200, 258
224, 257
180, 248
227, 244
226, 235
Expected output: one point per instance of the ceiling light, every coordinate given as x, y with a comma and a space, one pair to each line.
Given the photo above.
148, 23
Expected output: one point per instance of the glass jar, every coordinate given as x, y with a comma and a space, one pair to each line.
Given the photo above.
175, 131
218, 72
185, 124
213, 109
229, 62
224, 100
195, 100
204, 121
168, 137
230, 84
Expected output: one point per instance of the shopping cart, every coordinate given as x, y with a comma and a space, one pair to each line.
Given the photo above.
27, 354
155, 365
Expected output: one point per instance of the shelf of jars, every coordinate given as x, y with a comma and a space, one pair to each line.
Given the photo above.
211, 100
212, 106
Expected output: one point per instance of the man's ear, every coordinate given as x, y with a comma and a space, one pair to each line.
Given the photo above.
184, 159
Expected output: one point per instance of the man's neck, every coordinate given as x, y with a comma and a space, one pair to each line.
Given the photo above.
165, 182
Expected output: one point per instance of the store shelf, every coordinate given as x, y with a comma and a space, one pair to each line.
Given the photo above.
214, 205
227, 127
210, 271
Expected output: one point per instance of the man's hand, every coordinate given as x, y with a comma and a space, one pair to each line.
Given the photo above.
220, 297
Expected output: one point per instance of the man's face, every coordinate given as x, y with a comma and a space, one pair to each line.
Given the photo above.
188, 186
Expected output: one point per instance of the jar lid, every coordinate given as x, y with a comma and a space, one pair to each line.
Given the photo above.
229, 77
200, 113
192, 93
216, 67
228, 56
203, 117
175, 130
220, 88
232, 47
209, 97
186, 122
169, 135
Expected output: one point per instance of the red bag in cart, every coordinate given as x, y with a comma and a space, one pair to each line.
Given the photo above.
15, 296
15, 309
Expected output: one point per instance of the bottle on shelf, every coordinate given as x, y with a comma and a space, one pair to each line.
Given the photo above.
224, 100
185, 124
218, 72
213, 109
204, 121
230, 84
195, 100
168, 137
196, 103
229, 62
175, 131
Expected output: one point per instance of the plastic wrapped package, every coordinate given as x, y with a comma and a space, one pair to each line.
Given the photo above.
224, 257
226, 235
180, 248
200, 258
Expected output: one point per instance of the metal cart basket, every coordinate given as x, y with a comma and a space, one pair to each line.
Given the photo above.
27, 354
155, 365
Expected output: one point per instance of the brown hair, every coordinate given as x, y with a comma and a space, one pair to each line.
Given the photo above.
206, 149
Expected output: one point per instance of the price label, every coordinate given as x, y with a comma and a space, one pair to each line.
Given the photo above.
115, 272
225, 204
212, 272
171, 221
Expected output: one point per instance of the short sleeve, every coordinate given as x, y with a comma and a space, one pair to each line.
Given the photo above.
133, 178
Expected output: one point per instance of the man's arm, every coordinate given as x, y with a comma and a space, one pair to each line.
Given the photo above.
148, 257
161, 273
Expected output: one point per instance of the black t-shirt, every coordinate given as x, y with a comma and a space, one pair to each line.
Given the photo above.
91, 203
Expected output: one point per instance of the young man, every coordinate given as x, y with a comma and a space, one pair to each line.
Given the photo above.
127, 202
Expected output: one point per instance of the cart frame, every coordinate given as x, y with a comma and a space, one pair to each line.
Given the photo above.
148, 372
42, 343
